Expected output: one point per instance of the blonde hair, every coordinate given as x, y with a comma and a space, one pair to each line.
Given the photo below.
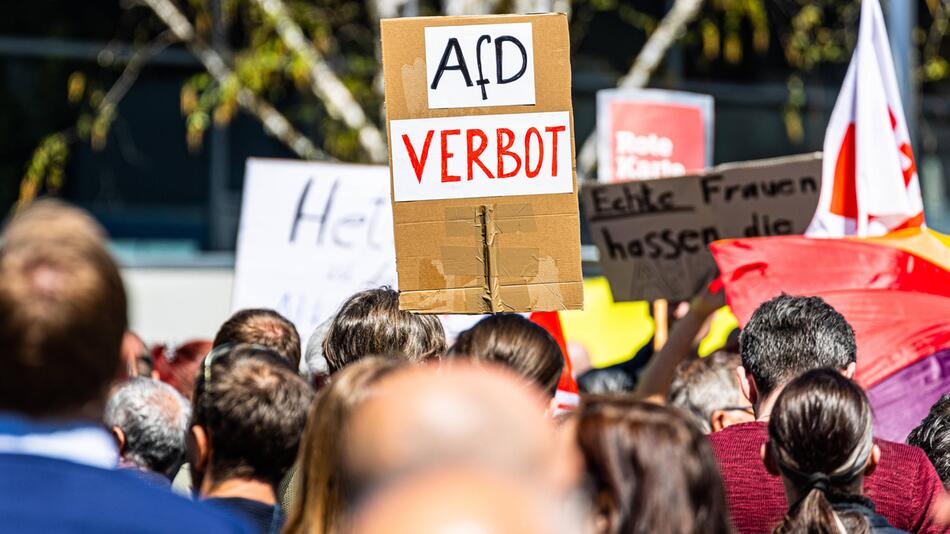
319, 502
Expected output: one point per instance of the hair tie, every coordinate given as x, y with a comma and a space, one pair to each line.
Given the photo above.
818, 481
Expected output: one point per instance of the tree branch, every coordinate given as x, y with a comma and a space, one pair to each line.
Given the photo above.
654, 50
324, 83
133, 68
275, 123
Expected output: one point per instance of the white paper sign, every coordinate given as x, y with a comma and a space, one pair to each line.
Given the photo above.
481, 156
311, 235
480, 65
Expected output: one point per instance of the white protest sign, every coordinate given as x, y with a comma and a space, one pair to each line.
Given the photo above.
311, 235
480, 65
481, 156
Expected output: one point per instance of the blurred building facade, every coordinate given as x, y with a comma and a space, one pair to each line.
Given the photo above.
166, 204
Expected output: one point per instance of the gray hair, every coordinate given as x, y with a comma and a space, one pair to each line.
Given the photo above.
702, 386
154, 418
313, 362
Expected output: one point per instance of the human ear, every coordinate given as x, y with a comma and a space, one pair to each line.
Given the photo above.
849, 370
119, 436
197, 448
873, 460
747, 384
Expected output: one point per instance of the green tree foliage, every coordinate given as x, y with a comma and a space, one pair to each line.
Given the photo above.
805, 35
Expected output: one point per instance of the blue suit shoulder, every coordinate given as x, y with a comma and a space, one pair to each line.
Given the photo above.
40, 494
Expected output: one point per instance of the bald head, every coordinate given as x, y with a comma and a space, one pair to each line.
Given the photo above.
482, 417
459, 501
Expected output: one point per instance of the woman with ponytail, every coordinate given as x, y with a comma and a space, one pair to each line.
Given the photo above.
821, 444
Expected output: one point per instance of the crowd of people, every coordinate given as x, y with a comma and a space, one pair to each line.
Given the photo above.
379, 424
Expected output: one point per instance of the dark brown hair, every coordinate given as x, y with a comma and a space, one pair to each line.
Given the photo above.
820, 437
260, 326
649, 469
370, 322
253, 407
511, 340
62, 319
320, 501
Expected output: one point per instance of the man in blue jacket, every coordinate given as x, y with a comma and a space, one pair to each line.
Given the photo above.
62, 318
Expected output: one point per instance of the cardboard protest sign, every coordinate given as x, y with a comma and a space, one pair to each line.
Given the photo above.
652, 133
311, 235
482, 163
653, 235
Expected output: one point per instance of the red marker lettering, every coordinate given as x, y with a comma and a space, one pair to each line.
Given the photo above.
527, 152
475, 153
446, 177
554, 131
418, 164
504, 150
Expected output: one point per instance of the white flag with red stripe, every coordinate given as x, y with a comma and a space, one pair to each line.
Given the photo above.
869, 179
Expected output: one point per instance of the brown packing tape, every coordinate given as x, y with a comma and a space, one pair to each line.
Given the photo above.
511, 211
415, 95
463, 228
489, 232
518, 262
462, 261
509, 218
549, 296
461, 213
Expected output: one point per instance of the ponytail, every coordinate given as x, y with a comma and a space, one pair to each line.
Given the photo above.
820, 439
814, 515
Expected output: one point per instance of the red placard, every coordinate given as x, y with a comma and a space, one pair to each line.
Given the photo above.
655, 140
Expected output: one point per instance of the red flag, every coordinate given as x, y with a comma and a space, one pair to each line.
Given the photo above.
894, 291
568, 395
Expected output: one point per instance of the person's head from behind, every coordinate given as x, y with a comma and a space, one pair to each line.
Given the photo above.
149, 420
514, 342
483, 417
248, 413
463, 501
263, 327
821, 444
933, 436
708, 388
320, 500
178, 366
788, 336
371, 323
62, 319
649, 469
313, 365
50, 219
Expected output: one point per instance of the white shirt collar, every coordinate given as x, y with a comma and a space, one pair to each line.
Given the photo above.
82, 444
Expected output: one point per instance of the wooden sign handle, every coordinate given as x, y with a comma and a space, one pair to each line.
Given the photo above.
661, 314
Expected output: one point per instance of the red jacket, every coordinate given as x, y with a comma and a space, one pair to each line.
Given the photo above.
904, 487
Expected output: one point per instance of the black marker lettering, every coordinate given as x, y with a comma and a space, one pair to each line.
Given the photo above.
498, 55
452, 45
481, 81
299, 214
